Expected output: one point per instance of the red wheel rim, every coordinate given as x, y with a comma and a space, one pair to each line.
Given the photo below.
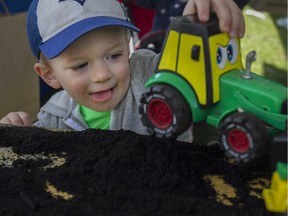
160, 113
238, 140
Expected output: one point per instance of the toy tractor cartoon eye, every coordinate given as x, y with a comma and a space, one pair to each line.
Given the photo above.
228, 53
200, 78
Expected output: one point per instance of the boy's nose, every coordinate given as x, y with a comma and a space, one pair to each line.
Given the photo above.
100, 73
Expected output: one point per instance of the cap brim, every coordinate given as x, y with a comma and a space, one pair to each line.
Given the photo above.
58, 43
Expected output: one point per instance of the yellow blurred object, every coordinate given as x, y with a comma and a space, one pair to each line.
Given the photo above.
276, 199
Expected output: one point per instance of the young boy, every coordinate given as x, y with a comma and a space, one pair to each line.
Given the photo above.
82, 46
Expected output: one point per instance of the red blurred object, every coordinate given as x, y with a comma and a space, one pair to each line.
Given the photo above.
141, 17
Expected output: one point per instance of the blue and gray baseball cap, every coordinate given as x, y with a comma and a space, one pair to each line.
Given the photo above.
53, 25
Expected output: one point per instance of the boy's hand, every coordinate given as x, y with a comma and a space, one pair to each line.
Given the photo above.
231, 19
17, 118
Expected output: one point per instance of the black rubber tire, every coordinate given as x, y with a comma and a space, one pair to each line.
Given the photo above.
243, 137
176, 107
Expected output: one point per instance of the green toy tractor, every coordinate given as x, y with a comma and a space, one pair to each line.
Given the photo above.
200, 78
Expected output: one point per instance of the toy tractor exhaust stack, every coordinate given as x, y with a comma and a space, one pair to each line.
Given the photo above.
251, 57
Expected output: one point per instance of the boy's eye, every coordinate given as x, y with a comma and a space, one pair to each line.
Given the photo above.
80, 66
114, 56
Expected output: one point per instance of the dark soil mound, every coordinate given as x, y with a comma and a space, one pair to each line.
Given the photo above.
121, 173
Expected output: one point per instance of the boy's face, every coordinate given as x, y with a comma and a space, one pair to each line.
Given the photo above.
95, 70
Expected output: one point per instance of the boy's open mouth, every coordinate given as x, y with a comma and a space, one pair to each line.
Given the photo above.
102, 96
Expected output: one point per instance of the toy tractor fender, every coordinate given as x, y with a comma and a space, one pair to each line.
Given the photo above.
277, 120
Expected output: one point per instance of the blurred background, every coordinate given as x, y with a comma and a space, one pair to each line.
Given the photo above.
266, 32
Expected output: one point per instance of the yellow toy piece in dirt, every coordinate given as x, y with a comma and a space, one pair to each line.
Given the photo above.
276, 198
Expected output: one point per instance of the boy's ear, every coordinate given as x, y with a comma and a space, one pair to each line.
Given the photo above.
46, 74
